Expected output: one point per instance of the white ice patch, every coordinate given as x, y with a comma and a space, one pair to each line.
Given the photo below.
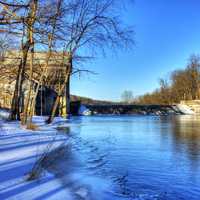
83, 110
4, 114
185, 109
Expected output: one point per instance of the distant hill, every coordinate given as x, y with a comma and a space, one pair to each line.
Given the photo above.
85, 100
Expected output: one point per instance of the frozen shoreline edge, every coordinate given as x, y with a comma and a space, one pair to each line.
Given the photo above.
18, 158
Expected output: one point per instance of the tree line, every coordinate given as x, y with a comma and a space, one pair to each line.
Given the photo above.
182, 84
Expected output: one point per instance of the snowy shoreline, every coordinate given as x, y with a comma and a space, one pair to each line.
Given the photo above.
19, 150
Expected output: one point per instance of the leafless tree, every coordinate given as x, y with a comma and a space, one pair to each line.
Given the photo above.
90, 26
34, 27
127, 96
80, 29
14, 14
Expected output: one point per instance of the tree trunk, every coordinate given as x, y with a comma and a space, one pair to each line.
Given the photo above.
28, 100
16, 108
56, 103
50, 45
67, 94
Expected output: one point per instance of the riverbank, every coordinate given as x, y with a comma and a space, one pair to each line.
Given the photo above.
20, 151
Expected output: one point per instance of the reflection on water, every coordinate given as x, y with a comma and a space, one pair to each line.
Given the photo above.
143, 157
186, 137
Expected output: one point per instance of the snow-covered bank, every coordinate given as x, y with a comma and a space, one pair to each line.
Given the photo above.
4, 114
185, 109
19, 150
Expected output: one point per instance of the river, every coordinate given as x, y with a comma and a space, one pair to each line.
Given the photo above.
133, 157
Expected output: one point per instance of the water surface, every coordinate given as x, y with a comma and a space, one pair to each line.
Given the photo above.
134, 157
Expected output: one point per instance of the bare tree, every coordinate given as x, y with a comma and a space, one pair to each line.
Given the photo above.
13, 14
81, 29
91, 26
127, 96
51, 19
36, 26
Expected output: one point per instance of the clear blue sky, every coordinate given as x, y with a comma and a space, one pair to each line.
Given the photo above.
167, 32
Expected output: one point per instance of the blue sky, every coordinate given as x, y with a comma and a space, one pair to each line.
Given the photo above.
167, 32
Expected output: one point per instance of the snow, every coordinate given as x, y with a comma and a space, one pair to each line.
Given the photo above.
4, 114
83, 110
19, 150
185, 109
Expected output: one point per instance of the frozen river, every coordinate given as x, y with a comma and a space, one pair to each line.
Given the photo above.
133, 157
